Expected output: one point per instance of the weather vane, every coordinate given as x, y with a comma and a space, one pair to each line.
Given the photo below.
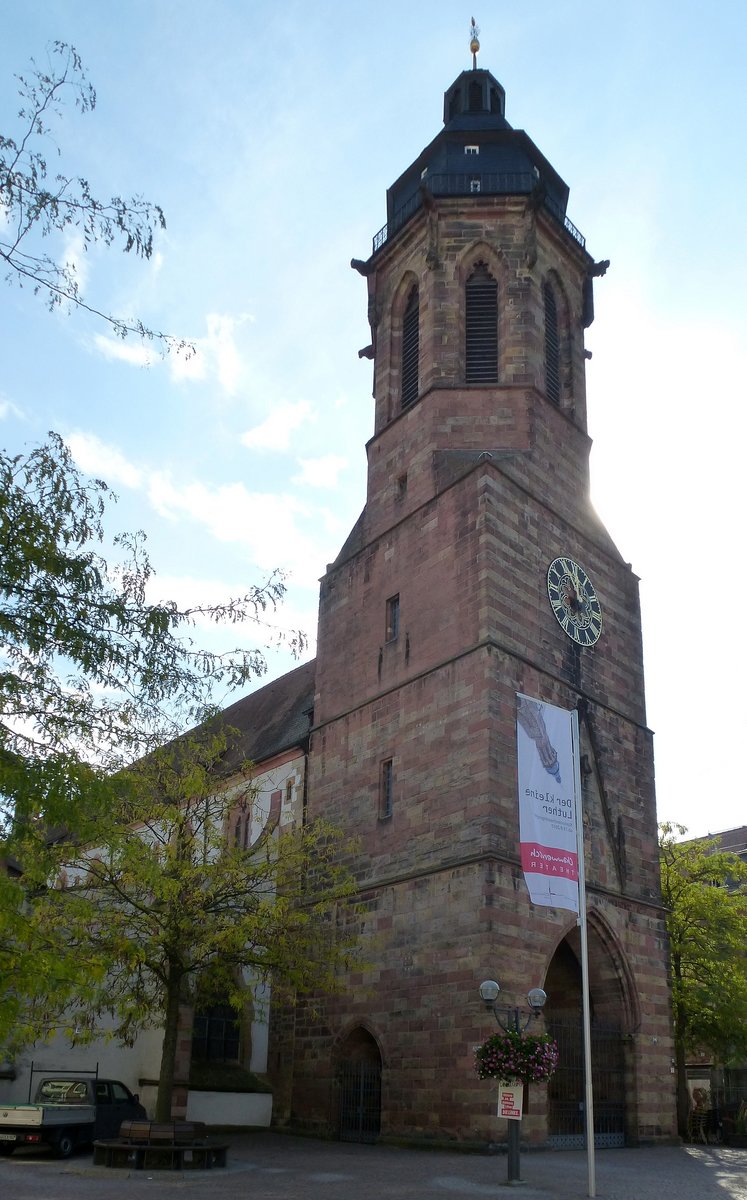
474, 43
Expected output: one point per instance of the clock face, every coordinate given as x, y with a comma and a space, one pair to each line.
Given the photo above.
574, 601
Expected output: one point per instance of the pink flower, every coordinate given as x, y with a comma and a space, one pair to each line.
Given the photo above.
530, 1058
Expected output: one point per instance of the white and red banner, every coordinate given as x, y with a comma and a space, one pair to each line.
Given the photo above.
547, 803
510, 1101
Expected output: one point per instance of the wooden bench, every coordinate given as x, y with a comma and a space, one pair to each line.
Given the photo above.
174, 1145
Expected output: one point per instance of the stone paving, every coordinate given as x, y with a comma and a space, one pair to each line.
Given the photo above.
267, 1166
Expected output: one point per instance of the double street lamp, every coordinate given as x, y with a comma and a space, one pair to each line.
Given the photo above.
514, 1020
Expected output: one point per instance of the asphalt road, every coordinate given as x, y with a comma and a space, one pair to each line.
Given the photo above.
267, 1166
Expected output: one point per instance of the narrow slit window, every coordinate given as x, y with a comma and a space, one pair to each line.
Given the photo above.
392, 618
410, 349
552, 346
386, 789
481, 322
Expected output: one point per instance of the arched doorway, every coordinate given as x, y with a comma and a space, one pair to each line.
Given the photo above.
359, 1088
611, 1021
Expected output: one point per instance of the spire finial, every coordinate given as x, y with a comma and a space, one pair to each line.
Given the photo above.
474, 44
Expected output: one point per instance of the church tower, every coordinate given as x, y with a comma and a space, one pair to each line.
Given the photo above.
433, 617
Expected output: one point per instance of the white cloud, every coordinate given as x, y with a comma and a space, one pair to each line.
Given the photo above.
104, 462
275, 431
135, 353
320, 472
266, 524
276, 530
189, 591
216, 355
9, 409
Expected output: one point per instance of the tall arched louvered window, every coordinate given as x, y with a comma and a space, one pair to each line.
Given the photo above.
481, 321
552, 346
410, 348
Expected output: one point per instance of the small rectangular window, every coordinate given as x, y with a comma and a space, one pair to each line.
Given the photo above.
471, 149
474, 185
386, 789
392, 618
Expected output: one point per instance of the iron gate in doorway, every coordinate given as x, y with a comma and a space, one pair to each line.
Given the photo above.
565, 1092
360, 1101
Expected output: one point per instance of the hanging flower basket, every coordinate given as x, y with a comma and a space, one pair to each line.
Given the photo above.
528, 1058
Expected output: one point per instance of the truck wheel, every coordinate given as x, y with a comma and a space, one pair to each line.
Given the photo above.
64, 1145
6, 1150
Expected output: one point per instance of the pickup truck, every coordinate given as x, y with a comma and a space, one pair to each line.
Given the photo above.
68, 1113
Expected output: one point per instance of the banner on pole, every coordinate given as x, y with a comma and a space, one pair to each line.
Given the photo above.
547, 803
510, 1101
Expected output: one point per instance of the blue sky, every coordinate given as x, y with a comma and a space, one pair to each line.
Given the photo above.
269, 135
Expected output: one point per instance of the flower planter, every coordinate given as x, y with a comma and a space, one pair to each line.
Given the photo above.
515, 1057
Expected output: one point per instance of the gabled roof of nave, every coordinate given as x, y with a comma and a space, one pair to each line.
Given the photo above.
273, 719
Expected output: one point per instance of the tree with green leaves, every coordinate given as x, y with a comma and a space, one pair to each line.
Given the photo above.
92, 673
39, 205
705, 890
93, 677
167, 908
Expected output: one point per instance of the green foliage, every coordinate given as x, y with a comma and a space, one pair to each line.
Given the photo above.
165, 908
91, 673
37, 204
92, 676
705, 892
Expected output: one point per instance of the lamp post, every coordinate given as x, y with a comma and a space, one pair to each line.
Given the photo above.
536, 998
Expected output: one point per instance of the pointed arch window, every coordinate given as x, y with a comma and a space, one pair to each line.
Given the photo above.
410, 348
552, 345
481, 322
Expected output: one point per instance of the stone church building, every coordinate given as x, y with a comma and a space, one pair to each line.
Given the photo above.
434, 615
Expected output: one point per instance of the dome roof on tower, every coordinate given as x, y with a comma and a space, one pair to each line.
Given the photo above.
476, 153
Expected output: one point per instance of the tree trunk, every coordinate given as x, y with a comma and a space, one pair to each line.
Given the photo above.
168, 1051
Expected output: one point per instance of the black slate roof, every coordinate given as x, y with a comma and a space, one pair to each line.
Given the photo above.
275, 718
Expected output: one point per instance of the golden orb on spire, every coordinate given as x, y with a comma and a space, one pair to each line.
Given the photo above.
474, 44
